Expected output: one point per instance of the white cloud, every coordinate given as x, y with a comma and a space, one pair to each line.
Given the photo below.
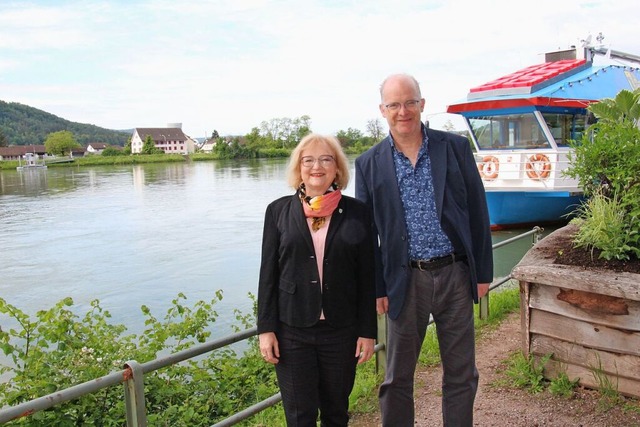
229, 65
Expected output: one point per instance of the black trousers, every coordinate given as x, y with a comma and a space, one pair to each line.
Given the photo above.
316, 372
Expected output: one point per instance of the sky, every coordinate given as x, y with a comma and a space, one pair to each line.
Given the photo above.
229, 65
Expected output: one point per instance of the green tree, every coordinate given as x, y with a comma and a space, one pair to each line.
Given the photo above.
3, 140
349, 137
127, 147
285, 132
149, 147
61, 142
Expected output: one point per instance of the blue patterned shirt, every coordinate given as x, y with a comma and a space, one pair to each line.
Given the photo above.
426, 238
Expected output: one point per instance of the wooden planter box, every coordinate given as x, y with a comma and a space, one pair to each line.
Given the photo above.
589, 320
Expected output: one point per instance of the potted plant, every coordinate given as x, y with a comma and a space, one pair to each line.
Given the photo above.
580, 286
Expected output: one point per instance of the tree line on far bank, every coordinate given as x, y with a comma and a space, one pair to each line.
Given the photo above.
273, 138
24, 125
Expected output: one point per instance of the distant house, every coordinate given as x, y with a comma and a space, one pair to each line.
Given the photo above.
171, 140
16, 152
208, 145
96, 147
78, 152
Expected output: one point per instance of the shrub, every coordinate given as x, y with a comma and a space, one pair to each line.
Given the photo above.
605, 162
57, 349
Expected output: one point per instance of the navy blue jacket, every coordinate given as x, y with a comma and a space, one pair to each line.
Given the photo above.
460, 202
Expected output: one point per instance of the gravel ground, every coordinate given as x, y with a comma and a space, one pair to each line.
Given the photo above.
500, 405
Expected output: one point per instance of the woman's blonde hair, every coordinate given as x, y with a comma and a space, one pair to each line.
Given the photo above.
294, 178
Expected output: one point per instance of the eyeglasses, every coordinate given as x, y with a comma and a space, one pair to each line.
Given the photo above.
309, 161
410, 105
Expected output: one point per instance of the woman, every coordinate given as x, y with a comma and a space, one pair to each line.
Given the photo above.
316, 296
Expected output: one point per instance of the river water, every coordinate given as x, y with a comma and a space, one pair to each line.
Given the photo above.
139, 235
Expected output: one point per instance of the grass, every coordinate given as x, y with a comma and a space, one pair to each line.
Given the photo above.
526, 374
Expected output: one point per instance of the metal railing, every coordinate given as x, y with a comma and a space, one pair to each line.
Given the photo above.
132, 376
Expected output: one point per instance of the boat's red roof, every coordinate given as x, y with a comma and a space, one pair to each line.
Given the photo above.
569, 83
531, 76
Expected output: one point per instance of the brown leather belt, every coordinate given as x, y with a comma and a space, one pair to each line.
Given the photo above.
436, 263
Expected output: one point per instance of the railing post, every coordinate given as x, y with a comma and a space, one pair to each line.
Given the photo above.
381, 355
134, 395
484, 307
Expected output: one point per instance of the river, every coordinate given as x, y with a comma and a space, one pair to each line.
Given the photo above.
139, 235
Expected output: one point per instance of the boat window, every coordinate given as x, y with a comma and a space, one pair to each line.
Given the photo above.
566, 127
509, 131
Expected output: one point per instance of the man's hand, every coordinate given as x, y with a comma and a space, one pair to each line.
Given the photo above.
483, 289
382, 305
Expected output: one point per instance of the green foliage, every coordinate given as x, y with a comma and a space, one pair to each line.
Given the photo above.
609, 395
602, 224
562, 386
149, 147
60, 143
56, 349
232, 149
526, 374
283, 132
605, 162
3, 139
24, 125
112, 151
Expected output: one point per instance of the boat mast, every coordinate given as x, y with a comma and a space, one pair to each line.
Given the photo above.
591, 50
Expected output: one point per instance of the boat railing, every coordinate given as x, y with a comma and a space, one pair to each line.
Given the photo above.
532, 170
132, 376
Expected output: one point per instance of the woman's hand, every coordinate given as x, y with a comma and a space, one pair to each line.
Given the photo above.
364, 349
269, 347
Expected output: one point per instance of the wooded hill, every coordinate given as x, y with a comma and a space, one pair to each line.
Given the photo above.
24, 125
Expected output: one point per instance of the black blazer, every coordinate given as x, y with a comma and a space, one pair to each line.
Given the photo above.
460, 202
289, 286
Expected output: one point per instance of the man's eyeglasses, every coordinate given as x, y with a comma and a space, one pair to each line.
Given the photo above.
410, 105
309, 161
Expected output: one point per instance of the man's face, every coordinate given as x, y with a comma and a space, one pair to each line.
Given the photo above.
401, 106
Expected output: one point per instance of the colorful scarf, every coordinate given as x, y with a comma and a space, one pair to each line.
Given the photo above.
319, 207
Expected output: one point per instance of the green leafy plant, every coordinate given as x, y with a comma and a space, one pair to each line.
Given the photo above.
526, 374
605, 162
56, 349
603, 225
562, 385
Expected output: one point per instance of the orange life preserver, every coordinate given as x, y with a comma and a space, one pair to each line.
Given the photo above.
538, 167
489, 168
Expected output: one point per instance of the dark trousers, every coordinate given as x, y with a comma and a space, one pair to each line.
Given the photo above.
316, 371
445, 294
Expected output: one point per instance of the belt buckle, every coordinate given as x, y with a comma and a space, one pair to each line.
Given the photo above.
425, 264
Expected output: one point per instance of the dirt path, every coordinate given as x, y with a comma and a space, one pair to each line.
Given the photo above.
504, 406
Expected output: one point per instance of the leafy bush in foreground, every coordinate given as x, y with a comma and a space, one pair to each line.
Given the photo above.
56, 349
606, 164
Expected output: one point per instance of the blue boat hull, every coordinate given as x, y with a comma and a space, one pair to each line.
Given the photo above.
517, 209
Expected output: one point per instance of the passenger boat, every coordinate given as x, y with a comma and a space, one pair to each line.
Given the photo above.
521, 125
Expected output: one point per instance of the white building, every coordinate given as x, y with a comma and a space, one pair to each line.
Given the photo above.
171, 140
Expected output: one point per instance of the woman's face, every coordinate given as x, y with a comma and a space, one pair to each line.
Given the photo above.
317, 168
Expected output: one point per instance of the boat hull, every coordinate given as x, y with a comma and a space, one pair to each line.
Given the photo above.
518, 209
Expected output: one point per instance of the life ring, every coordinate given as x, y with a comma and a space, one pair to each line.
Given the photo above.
538, 167
489, 168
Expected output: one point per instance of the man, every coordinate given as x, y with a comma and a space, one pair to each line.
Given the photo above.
434, 255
